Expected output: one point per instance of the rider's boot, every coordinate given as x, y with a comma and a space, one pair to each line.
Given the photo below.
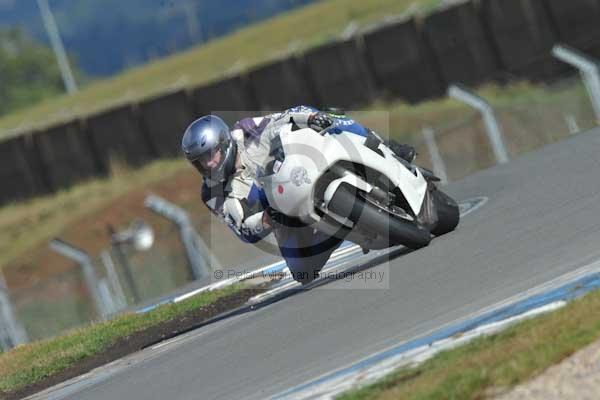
404, 151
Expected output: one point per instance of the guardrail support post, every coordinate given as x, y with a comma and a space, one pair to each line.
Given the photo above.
572, 124
89, 274
588, 68
462, 94
119, 252
439, 167
199, 256
11, 331
119, 301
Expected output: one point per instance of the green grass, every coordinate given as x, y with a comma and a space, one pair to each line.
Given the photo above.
31, 363
33, 222
494, 364
70, 310
250, 46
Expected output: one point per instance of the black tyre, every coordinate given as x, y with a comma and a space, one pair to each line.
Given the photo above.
365, 215
447, 211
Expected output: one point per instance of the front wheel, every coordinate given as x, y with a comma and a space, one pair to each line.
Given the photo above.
366, 216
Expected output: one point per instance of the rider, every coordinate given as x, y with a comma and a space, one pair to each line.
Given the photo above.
228, 162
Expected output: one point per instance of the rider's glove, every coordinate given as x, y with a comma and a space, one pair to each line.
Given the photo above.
233, 212
254, 224
319, 121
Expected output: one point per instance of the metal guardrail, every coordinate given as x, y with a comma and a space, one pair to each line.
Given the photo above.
11, 331
102, 299
493, 130
588, 68
439, 167
200, 257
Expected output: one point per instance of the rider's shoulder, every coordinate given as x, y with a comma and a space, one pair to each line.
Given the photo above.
250, 127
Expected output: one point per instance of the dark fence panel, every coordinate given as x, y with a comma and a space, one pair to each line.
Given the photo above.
460, 45
464, 43
165, 119
578, 23
116, 134
340, 75
281, 85
522, 32
20, 172
401, 63
66, 155
231, 99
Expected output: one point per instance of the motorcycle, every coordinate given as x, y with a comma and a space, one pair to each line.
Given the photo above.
354, 187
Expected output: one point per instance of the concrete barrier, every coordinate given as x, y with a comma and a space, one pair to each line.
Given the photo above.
20, 172
281, 84
340, 75
165, 119
578, 23
522, 33
66, 155
461, 47
401, 63
117, 135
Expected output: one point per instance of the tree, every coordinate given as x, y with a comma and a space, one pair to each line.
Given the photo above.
28, 71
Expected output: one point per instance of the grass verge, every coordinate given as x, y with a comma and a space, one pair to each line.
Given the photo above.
32, 367
491, 365
33, 222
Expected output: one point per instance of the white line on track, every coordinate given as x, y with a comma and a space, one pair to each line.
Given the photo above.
361, 377
570, 277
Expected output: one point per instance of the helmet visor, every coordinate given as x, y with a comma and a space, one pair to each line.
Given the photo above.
209, 161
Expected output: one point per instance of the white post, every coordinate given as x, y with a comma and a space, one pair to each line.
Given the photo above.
572, 124
89, 274
439, 167
12, 328
489, 118
113, 279
57, 46
199, 256
588, 68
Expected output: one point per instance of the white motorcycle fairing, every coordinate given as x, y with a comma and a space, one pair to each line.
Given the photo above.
290, 184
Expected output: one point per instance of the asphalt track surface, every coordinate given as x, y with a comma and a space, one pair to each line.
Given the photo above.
542, 220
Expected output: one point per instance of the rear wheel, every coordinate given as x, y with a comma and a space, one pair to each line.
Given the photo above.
376, 219
447, 211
